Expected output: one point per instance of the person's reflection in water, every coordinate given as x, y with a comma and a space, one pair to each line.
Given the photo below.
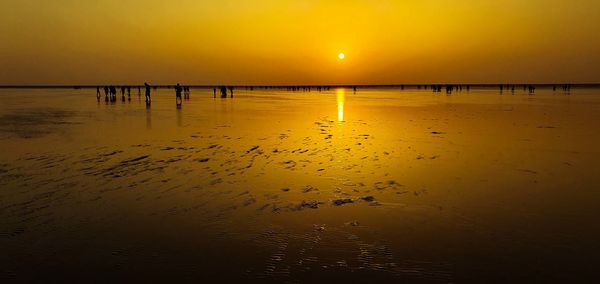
148, 116
179, 116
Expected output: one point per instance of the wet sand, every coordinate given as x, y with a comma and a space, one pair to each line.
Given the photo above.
381, 185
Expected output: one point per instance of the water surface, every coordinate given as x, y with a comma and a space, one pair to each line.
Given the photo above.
381, 184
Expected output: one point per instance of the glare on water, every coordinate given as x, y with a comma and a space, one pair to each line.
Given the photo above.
341, 96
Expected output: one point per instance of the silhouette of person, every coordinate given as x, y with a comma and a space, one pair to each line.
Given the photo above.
148, 99
98, 93
113, 94
231, 91
223, 92
178, 90
186, 92
215, 93
106, 93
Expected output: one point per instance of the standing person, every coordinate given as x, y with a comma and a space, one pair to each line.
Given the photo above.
129, 92
139, 91
113, 94
231, 91
223, 92
106, 93
147, 92
215, 93
186, 92
178, 90
98, 93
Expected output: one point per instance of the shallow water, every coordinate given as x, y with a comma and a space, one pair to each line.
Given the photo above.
380, 184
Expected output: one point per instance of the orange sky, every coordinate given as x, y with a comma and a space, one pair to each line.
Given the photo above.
297, 42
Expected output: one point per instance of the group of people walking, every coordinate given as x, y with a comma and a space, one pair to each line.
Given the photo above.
183, 92
110, 93
223, 91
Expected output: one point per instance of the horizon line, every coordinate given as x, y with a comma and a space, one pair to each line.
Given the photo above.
85, 86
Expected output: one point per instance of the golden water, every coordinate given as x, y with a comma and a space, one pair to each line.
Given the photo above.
380, 184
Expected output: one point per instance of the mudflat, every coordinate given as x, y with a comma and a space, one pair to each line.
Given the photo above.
378, 184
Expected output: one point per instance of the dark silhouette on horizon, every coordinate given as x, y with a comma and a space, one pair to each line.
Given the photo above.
148, 99
106, 93
178, 90
183, 92
186, 93
113, 94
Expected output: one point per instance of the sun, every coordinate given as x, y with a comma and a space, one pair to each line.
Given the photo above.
341, 56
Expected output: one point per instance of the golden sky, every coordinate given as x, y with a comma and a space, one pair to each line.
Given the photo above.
298, 42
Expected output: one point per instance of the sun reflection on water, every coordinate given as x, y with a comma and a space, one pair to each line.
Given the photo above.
341, 97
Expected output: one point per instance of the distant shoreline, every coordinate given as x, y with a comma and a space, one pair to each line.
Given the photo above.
409, 86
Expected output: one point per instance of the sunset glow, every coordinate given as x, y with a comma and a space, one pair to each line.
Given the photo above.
299, 141
291, 42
